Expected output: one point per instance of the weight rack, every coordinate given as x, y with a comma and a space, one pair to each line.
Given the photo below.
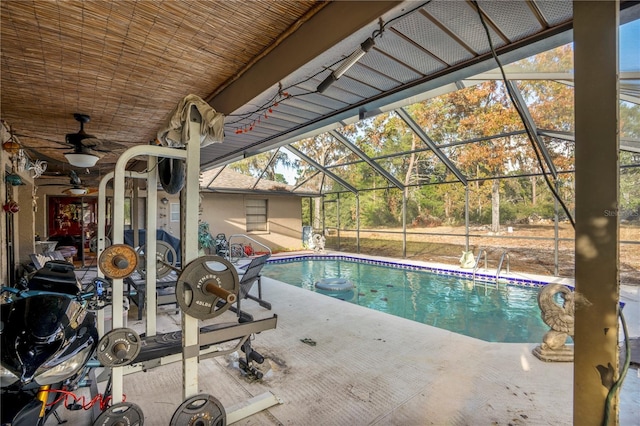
189, 197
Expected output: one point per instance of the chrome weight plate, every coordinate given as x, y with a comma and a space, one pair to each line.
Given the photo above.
200, 410
119, 347
166, 259
121, 414
118, 261
203, 283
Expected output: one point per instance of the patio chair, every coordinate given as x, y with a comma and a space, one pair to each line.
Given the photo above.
249, 274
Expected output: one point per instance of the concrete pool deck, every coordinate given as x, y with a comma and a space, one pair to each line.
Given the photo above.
370, 368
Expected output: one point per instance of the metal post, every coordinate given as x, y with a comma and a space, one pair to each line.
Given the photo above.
190, 197
556, 269
404, 223
358, 222
151, 246
466, 217
338, 219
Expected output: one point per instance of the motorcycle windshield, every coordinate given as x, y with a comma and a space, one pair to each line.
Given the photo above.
34, 329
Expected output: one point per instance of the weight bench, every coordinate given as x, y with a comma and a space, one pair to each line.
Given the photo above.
249, 274
166, 348
165, 289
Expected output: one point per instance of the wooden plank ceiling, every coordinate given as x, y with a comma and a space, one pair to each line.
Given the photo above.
127, 64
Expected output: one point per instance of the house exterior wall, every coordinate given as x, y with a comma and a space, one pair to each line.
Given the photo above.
225, 214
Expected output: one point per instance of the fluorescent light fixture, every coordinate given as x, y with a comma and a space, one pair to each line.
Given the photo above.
346, 64
82, 160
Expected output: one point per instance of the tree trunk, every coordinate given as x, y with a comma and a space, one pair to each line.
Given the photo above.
534, 195
317, 202
495, 206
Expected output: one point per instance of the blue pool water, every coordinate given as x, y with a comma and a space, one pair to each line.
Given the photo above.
509, 314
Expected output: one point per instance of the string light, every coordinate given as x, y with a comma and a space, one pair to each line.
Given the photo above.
268, 110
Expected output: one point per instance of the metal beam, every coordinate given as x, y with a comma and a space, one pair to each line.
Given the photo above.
533, 130
346, 142
312, 38
626, 144
323, 169
427, 140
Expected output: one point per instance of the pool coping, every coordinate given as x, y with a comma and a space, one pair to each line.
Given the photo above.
484, 276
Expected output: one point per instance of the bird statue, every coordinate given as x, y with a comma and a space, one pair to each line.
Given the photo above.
559, 315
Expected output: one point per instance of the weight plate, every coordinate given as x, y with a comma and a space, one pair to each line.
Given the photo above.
93, 244
119, 347
200, 410
121, 414
166, 259
203, 283
118, 261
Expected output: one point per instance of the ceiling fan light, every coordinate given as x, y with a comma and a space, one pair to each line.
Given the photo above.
77, 191
82, 160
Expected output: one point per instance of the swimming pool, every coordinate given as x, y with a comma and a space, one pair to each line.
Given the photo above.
509, 314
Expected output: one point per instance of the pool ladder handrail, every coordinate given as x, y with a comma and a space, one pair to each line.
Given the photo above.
475, 267
504, 254
229, 257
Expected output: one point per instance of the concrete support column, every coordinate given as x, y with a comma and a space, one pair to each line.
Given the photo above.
597, 234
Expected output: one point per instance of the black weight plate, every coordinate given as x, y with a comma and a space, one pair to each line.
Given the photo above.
191, 295
121, 414
119, 347
200, 410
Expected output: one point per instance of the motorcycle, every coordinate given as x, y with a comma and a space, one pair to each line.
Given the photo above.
48, 335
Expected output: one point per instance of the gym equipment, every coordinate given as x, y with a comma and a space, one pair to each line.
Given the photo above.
200, 410
214, 285
166, 348
166, 259
118, 347
118, 261
249, 356
165, 293
93, 244
122, 413
204, 282
250, 274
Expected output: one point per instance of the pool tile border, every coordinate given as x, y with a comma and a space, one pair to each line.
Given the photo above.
509, 280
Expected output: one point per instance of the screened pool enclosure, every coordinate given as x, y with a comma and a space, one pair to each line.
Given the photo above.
456, 169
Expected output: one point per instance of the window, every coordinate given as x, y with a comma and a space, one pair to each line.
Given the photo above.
175, 212
256, 215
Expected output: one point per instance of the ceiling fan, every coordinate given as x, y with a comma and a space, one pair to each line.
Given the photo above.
82, 155
75, 186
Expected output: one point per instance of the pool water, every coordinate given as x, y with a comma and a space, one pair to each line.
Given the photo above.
509, 314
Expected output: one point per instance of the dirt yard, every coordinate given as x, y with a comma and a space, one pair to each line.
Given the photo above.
530, 247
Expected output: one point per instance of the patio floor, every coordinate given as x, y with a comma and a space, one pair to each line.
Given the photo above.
370, 368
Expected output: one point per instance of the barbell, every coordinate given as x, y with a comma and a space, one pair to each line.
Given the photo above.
166, 259
205, 288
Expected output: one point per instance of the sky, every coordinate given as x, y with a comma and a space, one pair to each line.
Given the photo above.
630, 46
